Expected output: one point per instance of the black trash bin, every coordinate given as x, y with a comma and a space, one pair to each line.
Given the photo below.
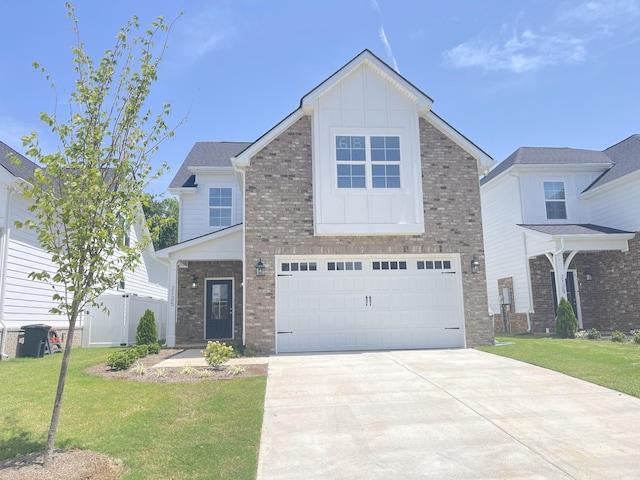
36, 340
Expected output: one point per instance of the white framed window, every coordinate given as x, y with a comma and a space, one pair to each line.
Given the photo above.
220, 206
555, 200
368, 161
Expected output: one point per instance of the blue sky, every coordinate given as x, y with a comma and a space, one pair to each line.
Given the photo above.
504, 73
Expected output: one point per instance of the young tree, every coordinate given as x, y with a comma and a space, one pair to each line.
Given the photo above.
162, 220
85, 197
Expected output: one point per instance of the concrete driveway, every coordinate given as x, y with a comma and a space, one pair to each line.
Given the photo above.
441, 414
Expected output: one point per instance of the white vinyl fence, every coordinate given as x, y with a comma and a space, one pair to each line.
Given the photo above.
118, 327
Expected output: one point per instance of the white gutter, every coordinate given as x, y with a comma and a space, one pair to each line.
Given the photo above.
6, 233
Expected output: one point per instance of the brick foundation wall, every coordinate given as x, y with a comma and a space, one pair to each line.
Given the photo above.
279, 221
15, 340
190, 320
611, 301
515, 322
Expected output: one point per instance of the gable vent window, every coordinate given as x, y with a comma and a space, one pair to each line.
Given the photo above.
555, 200
220, 204
368, 161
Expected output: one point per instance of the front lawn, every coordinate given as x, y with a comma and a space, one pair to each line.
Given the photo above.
606, 363
208, 429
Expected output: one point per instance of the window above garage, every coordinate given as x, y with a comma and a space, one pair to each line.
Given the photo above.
367, 161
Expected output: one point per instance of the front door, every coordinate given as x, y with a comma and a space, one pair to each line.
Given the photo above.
219, 309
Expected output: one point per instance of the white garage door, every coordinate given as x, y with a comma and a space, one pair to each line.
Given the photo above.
365, 303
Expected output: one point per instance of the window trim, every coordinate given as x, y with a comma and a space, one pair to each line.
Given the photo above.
215, 207
368, 161
548, 201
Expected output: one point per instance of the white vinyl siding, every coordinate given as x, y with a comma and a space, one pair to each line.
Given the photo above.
617, 207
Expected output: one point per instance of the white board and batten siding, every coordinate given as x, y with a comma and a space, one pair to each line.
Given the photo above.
368, 303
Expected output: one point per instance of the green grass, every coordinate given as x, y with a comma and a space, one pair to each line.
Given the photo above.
208, 429
606, 363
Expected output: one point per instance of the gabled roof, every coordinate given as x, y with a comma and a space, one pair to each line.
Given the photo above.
366, 56
618, 160
206, 154
24, 170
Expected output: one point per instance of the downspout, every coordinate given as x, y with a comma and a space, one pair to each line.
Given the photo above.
529, 289
6, 232
244, 253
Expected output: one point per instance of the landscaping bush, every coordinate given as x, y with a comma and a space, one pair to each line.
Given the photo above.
566, 321
120, 360
146, 333
636, 338
141, 351
217, 353
154, 348
593, 334
617, 336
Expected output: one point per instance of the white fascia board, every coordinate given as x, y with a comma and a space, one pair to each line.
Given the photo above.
554, 168
595, 242
244, 158
485, 162
367, 58
612, 185
168, 252
340, 229
183, 191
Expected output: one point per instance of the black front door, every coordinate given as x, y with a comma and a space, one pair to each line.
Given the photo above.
219, 309
571, 293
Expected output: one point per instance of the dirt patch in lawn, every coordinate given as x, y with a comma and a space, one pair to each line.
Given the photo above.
89, 465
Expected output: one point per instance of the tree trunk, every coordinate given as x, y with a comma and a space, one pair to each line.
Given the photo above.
55, 416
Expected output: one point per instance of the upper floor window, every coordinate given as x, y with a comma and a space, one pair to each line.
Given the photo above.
365, 161
555, 200
220, 204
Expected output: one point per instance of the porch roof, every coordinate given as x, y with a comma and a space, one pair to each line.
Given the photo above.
225, 244
542, 239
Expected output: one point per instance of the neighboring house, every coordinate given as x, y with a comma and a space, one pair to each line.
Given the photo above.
24, 301
350, 225
562, 222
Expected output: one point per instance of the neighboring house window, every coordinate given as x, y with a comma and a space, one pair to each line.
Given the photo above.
220, 203
555, 200
360, 156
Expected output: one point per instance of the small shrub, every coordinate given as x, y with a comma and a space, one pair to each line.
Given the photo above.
617, 336
120, 360
141, 351
234, 370
566, 321
217, 353
188, 370
636, 338
160, 372
581, 334
593, 334
154, 348
139, 368
146, 333
204, 373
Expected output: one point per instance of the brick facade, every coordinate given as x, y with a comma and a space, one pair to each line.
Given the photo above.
190, 321
279, 221
507, 320
611, 301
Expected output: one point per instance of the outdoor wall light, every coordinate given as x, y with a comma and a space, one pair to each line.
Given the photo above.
588, 275
194, 281
260, 269
475, 265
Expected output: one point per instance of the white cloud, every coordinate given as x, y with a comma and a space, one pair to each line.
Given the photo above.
567, 37
387, 47
199, 33
12, 131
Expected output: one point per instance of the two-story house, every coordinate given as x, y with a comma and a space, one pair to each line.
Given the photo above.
562, 222
352, 224
24, 301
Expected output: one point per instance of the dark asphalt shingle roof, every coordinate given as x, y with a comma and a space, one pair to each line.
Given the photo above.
24, 170
206, 154
626, 159
574, 229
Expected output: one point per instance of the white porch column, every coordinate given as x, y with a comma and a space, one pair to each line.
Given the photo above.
560, 273
172, 303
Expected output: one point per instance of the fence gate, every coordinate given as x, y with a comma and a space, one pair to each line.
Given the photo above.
118, 326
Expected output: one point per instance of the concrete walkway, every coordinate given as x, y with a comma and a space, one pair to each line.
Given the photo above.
194, 358
441, 414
